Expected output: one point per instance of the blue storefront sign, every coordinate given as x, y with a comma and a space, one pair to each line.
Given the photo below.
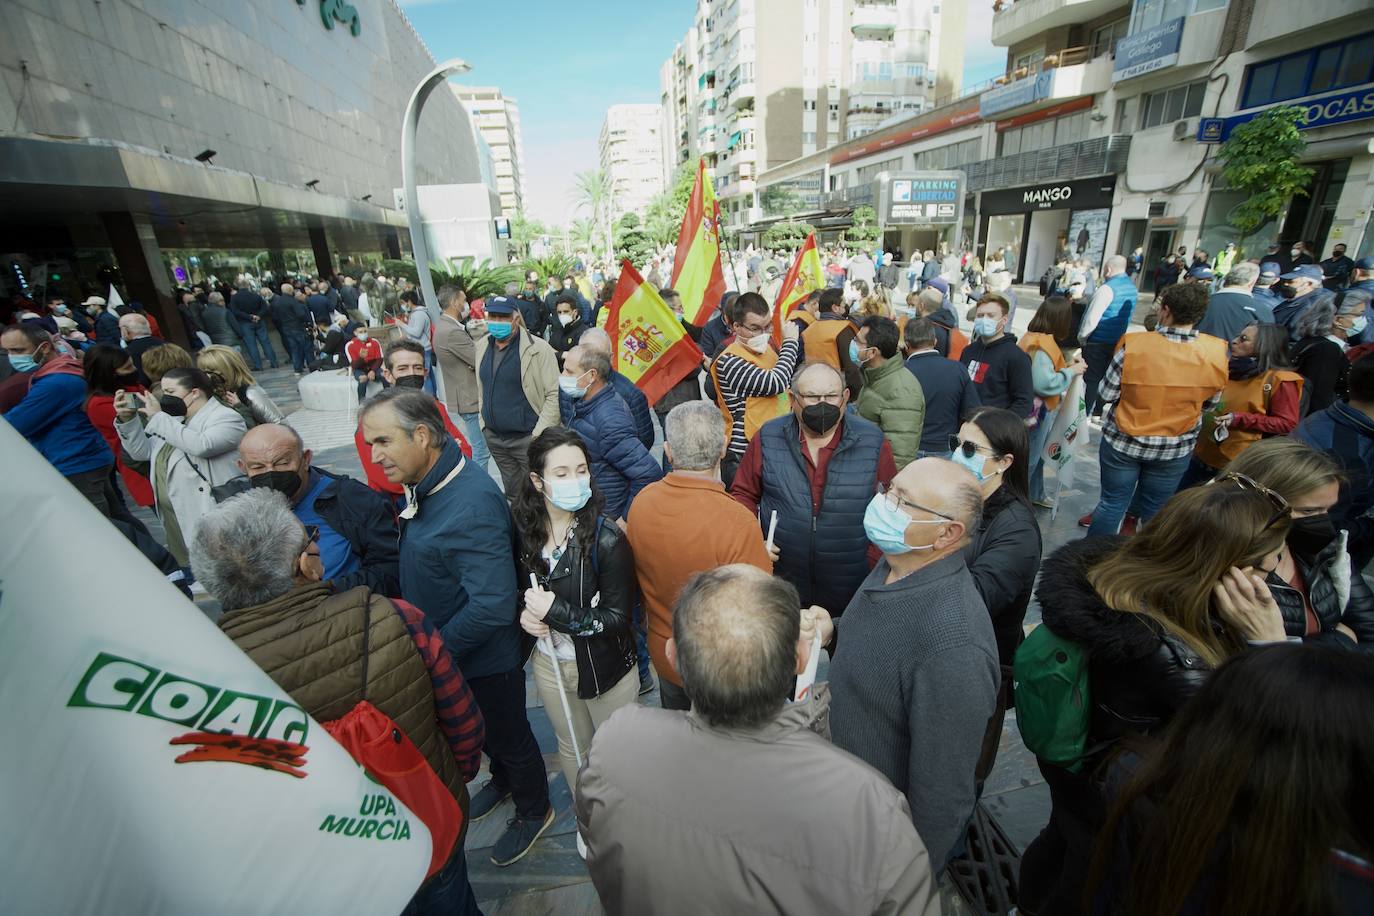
1337, 108
1147, 51
1014, 95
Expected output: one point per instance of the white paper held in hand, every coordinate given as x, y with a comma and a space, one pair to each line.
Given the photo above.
807, 679
772, 529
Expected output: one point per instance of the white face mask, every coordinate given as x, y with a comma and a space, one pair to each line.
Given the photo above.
758, 343
565, 319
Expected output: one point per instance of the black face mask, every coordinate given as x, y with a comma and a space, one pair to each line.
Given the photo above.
284, 482
411, 381
172, 405
820, 418
1310, 536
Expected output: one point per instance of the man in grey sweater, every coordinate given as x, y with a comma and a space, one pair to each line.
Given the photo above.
914, 677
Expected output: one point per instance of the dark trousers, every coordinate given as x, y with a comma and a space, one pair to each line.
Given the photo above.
255, 338
1053, 867
448, 893
1098, 356
516, 764
728, 466
298, 347
96, 487
1197, 473
671, 696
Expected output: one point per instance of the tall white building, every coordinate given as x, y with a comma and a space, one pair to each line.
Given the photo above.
631, 146
758, 83
497, 119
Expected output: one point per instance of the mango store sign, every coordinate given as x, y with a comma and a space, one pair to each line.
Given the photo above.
1337, 108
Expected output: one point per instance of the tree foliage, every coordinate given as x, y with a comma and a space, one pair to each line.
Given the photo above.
865, 231
780, 200
479, 279
631, 241
789, 235
593, 192
1260, 159
554, 265
523, 231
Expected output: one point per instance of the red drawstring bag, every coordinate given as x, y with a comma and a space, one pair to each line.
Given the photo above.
392, 759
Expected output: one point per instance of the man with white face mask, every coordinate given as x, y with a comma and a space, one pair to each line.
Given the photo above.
751, 378
914, 674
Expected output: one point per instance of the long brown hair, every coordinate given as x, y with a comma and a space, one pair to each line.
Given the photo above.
1287, 466
1054, 317
1255, 782
1168, 570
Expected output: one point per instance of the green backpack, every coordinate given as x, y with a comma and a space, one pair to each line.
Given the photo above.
1050, 680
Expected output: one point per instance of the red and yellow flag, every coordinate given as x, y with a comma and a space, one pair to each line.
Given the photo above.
697, 275
805, 276
648, 344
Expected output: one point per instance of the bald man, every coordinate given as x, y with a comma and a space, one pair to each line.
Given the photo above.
597, 339
357, 528
915, 673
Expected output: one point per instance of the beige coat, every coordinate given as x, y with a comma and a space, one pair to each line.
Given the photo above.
455, 349
538, 376
682, 818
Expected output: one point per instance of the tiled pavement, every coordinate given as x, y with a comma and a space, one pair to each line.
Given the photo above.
552, 878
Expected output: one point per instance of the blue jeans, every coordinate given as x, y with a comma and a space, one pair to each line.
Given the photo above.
472, 428
641, 644
298, 347
1124, 477
448, 892
254, 337
1038, 438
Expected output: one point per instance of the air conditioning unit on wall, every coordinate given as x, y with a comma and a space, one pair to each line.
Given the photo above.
1185, 129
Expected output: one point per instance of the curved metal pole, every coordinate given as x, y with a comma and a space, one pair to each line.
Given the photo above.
418, 244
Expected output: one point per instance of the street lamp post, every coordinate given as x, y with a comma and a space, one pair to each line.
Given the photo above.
418, 245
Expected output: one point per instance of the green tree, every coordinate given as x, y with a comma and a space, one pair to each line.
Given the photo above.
680, 191
631, 241
864, 231
780, 200
594, 193
788, 234
478, 279
1260, 159
659, 224
523, 231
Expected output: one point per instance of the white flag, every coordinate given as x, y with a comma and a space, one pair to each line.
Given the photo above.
113, 300
1068, 435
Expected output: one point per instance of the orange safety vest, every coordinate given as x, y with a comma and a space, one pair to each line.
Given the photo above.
758, 409
1045, 343
1246, 395
820, 338
1165, 382
800, 314
957, 342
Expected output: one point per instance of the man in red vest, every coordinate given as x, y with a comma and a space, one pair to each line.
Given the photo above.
1154, 393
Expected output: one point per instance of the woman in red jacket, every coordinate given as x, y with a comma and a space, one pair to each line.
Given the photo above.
107, 369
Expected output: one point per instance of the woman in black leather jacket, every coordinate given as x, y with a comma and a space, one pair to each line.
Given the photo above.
582, 592
1156, 613
1319, 590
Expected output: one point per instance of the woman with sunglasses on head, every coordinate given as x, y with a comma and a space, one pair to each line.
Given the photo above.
585, 591
1003, 553
1156, 613
1260, 399
1318, 588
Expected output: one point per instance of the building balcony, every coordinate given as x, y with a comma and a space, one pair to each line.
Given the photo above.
860, 195
743, 96
1014, 21
1069, 74
1084, 159
873, 20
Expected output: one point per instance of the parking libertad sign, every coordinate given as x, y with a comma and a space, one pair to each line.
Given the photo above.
928, 199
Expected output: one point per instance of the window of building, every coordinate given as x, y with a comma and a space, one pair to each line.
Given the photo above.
1338, 65
808, 104
808, 136
1030, 60
1126, 115
869, 172
1169, 105
1105, 37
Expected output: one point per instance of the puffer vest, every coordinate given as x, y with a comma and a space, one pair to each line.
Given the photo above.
310, 642
823, 555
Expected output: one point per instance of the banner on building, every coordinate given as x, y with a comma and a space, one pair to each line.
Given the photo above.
648, 344
1148, 50
149, 765
697, 275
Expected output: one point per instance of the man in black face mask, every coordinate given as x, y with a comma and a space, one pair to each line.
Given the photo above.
356, 527
817, 468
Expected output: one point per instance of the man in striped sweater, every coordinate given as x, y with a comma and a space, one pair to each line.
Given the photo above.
751, 378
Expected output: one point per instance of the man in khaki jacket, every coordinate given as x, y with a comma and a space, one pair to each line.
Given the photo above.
455, 350
737, 807
517, 398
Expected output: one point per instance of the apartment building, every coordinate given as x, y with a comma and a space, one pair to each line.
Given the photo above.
497, 119
759, 83
631, 145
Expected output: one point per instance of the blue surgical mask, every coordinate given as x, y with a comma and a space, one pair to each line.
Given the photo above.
569, 495
499, 329
854, 353
985, 327
1358, 325
974, 464
569, 386
886, 526
23, 362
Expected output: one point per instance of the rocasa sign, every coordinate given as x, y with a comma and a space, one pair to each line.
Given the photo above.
332, 11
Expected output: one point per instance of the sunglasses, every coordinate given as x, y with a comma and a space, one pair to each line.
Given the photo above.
968, 448
1281, 507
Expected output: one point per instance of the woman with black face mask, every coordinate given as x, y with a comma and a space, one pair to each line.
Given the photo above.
1319, 590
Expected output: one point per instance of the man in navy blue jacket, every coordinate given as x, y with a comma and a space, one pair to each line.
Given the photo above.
458, 567
597, 339
948, 390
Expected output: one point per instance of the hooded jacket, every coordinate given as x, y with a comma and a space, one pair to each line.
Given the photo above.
1338, 594
621, 465
1347, 435
892, 398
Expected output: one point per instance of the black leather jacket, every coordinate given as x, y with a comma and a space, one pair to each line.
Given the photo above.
1338, 594
593, 603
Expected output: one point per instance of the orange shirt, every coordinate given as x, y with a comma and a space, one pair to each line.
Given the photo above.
680, 526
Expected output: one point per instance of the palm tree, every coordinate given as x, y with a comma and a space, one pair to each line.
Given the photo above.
523, 231
581, 233
593, 192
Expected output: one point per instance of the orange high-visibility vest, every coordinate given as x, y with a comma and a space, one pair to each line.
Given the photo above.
800, 314
1246, 395
1165, 382
758, 409
957, 343
820, 338
1045, 343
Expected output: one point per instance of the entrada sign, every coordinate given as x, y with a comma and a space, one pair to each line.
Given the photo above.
332, 11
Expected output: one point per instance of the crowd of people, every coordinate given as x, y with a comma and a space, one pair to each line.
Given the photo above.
873, 481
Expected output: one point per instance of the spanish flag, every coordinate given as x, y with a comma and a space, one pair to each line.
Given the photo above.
804, 277
648, 344
696, 264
